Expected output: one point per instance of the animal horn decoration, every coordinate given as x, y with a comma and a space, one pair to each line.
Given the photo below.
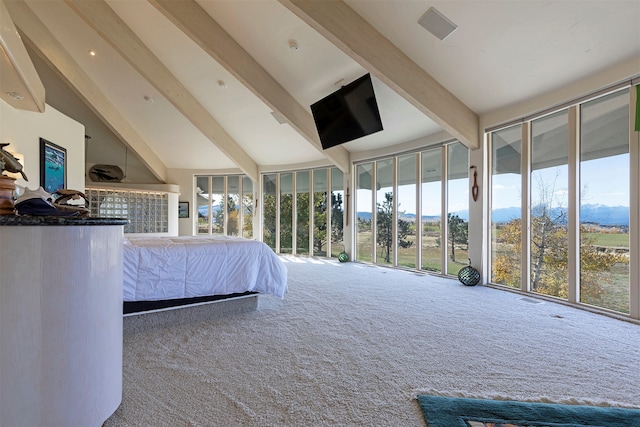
474, 188
9, 163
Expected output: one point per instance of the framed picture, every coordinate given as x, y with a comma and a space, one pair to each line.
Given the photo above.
183, 209
53, 166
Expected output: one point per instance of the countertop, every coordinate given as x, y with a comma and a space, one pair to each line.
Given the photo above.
59, 220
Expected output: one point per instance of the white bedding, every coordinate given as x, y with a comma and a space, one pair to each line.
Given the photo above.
159, 268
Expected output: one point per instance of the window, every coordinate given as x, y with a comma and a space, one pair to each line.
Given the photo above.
233, 206
604, 202
398, 240
303, 204
247, 207
224, 205
431, 211
406, 221
203, 204
385, 212
286, 213
269, 210
506, 206
320, 220
578, 190
364, 212
337, 212
548, 224
305, 219
458, 207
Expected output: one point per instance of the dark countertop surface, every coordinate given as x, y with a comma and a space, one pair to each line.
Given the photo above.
59, 220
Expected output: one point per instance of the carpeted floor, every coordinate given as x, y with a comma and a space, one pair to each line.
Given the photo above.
442, 411
353, 345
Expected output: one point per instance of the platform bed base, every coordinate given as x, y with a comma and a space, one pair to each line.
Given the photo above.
142, 316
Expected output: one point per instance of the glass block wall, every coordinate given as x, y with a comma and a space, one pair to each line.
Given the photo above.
147, 211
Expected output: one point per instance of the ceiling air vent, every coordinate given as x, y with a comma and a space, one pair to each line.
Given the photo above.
437, 24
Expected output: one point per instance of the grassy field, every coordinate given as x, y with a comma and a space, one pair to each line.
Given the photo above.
407, 256
609, 240
615, 283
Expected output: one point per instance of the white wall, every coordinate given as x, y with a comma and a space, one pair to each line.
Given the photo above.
23, 130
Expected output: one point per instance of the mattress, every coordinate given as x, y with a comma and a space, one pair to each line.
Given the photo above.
160, 268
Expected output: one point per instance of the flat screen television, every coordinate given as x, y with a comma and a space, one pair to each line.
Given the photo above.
349, 113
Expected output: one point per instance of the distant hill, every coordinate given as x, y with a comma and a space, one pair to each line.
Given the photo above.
605, 215
596, 214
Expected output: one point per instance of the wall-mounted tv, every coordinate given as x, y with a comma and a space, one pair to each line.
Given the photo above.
349, 113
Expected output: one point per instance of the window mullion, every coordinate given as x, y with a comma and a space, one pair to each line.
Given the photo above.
634, 207
277, 244
444, 210
419, 211
525, 166
573, 232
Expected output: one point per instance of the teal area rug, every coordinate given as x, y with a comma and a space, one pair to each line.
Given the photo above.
442, 411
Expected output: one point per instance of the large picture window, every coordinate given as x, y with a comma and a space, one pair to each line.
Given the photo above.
593, 161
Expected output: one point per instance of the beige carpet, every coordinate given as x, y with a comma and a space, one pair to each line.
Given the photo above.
351, 345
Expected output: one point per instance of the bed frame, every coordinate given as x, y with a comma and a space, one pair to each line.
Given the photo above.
132, 307
188, 310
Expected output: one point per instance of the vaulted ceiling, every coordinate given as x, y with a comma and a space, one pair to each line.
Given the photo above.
205, 84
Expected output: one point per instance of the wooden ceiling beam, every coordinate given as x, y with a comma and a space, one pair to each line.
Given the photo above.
351, 33
194, 21
115, 31
36, 35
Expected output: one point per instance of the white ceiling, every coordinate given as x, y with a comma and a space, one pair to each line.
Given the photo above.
502, 53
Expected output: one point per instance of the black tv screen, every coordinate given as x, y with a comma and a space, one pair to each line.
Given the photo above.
349, 113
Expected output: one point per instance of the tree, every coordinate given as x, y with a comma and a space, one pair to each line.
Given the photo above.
549, 249
231, 213
269, 219
384, 222
319, 221
337, 218
458, 232
247, 217
302, 236
549, 260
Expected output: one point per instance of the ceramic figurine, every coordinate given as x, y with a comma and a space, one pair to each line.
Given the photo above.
9, 163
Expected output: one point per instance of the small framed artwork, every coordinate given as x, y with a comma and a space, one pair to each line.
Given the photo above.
183, 209
53, 166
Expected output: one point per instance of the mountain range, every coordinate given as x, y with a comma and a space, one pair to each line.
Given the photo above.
593, 213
